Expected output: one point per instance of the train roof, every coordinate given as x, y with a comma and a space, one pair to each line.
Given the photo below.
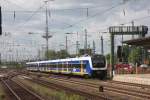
62, 60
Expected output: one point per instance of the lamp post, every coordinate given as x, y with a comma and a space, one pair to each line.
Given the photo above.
67, 41
77, 43
102, 43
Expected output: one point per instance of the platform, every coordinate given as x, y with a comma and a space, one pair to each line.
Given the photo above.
134, 78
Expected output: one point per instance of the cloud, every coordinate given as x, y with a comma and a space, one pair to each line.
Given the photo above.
69, 16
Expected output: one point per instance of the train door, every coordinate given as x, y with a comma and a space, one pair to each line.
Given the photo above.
81, 67
62, 69
67, 67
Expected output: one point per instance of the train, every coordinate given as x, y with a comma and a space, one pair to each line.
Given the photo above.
87, 66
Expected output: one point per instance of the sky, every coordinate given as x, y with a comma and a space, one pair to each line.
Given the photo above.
21, 17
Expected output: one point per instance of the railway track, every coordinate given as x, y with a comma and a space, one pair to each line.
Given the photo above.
131, 84
124, 84
109, 87
16, 91
134, 85
115, 87
90, 96
112, 86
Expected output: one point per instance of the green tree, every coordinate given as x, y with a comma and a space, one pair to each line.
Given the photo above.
82, 51
51, 54
108, 58
126, 52
57, 55
62, 54
135, 55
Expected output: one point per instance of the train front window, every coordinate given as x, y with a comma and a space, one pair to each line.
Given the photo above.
98, 61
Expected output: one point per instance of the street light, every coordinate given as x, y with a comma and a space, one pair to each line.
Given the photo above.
102, 45
67, 41
77, 43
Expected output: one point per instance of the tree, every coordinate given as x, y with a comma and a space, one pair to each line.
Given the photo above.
57, 55
62, 54
88, 51
135, 55
108, 58
51, 54
125, 53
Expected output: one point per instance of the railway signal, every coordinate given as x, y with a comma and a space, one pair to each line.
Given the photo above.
119, 53
124, 30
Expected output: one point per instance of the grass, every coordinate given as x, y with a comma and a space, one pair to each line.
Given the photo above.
52, 94
2, 93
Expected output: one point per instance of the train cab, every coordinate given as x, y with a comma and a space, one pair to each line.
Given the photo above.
99, 66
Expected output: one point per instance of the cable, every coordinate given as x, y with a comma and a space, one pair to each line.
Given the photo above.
82, 20
8, 1
100, 13
82, 8
6, 11
25, 11
28, 19
136, 19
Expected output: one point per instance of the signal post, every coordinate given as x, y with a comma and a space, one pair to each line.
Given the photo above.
123, 30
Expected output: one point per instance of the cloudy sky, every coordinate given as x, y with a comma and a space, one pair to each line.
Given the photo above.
65, 16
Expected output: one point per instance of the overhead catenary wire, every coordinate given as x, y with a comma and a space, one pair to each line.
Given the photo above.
92, 16
80, 21
124, 23
77, 23
11, 2
59, 9
29, 18
72, 25
67, 9
89, 17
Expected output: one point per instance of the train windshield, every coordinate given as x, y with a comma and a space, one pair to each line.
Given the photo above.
98, 61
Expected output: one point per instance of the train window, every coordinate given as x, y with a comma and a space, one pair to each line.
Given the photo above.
50, 65
70, 65
41, 65
32, 65
98, 61
76, 65
62, 65
54, 65
58, 65
65, 65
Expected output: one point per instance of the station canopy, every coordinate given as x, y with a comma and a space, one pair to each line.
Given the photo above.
144, 42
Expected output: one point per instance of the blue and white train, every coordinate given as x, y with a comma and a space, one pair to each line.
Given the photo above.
94, 66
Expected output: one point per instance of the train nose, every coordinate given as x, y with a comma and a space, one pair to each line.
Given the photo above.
99, 74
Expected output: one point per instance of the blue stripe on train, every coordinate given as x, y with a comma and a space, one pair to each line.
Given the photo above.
85, 62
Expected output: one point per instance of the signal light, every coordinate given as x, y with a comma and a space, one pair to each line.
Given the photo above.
119, 52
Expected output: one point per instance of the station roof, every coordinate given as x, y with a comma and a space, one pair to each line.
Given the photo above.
145, 42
